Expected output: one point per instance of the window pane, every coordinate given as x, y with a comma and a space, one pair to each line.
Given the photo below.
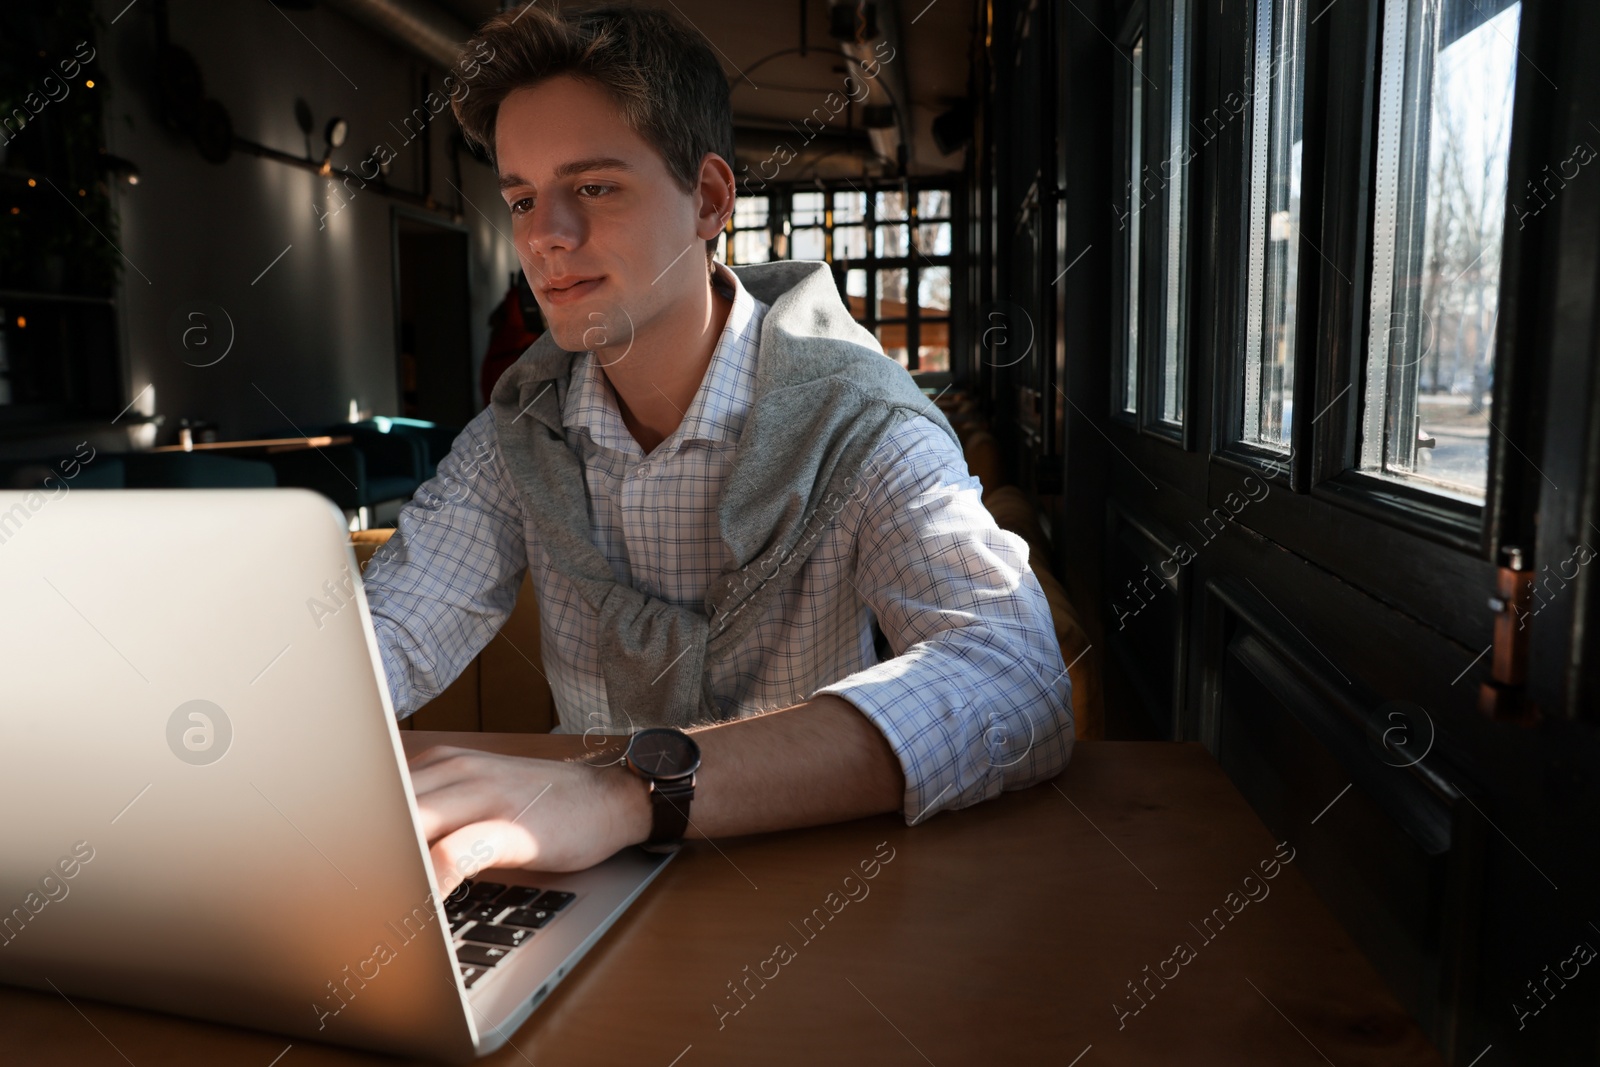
1130, 360
1274, 224
751, 246
849, 207
933, 203
809, 244
933, 289
933, 239
893, 240
850, 242
892, 336
935, 334
1172, 374
1444, 132
749, 211
890, 204
932, 358
892, 286
855, 287
808, 209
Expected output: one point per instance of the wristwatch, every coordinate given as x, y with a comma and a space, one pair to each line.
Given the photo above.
667, 760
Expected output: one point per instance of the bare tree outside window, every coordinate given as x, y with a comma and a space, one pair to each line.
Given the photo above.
1444, 139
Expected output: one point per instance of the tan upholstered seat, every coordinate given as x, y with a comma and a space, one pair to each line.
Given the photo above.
1012, 511
983, 460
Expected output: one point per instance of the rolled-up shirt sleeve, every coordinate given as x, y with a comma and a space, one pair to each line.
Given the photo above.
976, 699
447, 579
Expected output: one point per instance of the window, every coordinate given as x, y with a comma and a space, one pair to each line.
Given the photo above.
1274, 261
1150, 376
1444, 132
892, 249
808, 237
750, 238
932, 234
1131, 214
849, 229
1171, 375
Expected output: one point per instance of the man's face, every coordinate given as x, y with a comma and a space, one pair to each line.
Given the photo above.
595, 211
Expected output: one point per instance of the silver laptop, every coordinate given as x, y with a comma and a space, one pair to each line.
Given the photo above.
207, 809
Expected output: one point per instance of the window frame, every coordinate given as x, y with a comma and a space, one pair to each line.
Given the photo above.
1337, 193
1408, 184
733, 230
780, 214
1236, 66
1161, 316
1130, 257
1335, 474
1228, 442
1177, 45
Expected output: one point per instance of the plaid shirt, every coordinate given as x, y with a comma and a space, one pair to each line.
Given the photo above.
976, 698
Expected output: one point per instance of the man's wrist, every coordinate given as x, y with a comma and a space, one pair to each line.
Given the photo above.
632, 812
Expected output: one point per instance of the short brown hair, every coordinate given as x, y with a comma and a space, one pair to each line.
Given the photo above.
657, 67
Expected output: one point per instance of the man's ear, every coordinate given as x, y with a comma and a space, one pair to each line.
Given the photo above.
716, 195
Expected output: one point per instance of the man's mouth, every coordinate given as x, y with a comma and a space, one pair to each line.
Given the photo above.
569, 289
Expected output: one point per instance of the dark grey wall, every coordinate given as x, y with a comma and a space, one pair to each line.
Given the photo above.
317, 329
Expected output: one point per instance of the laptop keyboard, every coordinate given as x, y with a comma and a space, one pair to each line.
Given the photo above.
489, 921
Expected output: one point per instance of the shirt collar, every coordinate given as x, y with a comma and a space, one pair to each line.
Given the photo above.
720, 405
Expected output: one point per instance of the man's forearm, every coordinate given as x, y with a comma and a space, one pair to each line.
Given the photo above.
817, 762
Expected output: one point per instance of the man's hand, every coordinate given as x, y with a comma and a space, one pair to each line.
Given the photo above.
537, 814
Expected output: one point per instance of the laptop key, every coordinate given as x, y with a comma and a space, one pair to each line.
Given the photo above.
554, 900
507, 936
457, 924
470, 975
518, 896
483, 892
481, 955
532, 918
484, 913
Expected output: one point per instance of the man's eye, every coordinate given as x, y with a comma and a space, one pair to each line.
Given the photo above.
517, 207
603, 190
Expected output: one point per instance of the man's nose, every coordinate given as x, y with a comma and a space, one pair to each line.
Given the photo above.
552, 226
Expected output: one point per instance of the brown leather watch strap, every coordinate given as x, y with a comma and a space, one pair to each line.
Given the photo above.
669, 811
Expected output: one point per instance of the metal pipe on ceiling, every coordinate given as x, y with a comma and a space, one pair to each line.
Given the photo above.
419, 25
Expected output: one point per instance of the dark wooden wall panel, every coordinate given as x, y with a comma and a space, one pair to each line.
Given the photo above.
1389, 844
1144, 630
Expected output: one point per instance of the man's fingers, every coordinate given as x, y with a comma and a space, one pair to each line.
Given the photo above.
453, 766
467, 798
437, 754
448, 808
452, 794
477, 847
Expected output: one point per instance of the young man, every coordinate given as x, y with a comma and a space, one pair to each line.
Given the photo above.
720, 482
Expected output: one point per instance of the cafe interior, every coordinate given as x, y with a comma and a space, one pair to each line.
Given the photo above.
1119, 245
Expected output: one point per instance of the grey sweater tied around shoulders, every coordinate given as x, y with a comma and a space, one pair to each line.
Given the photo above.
825, 397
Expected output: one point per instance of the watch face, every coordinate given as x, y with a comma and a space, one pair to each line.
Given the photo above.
662, 753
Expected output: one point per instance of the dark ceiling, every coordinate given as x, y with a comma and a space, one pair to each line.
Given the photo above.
932, 45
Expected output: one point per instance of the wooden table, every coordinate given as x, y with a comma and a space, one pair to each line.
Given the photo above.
1008, 933
267, 445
